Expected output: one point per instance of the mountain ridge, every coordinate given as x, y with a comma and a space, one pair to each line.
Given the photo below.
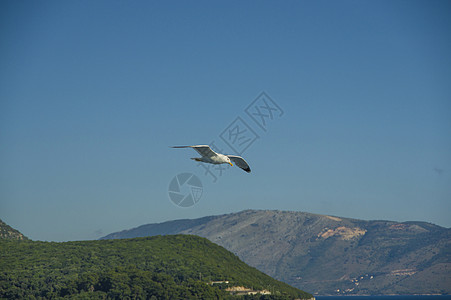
9, 233
328, 254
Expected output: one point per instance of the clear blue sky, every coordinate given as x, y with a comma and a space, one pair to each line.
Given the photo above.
93, 92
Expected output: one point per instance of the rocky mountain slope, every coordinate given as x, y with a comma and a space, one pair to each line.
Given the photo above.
328, 255
9, 233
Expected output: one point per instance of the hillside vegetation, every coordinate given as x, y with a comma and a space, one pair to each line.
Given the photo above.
160, 267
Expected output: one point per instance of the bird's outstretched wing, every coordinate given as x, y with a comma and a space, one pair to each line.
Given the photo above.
240, 162
203, 150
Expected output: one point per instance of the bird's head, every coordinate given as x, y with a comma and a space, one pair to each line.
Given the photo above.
229, 162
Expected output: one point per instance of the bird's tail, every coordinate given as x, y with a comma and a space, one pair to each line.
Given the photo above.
196, 158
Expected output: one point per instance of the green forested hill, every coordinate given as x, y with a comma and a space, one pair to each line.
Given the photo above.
160, 267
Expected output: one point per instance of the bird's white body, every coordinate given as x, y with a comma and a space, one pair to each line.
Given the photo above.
217, 159
211, 157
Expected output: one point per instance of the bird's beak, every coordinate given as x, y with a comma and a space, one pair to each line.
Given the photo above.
230, 164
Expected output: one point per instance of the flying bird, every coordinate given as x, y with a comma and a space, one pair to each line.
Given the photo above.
211, 157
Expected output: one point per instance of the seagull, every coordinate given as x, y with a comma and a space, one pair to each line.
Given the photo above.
211, 157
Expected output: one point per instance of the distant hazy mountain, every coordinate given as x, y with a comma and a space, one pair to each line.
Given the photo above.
9, 233
325, 254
